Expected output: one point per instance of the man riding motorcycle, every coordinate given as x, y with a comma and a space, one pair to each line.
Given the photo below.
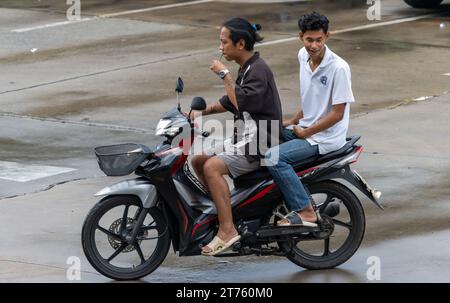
254, 96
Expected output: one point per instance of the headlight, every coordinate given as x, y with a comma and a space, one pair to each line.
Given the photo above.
173, 131
160, 128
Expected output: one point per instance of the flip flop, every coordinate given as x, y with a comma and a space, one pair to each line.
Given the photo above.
217, 245
295, 220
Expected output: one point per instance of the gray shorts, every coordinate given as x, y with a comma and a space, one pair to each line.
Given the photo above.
238, 164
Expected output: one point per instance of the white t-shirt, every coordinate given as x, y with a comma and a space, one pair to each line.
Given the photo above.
328, 85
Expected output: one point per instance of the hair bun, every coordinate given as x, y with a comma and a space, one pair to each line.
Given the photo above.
257, 27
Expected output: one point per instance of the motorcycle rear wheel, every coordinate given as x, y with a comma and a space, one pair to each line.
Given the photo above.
102, 238
317, 259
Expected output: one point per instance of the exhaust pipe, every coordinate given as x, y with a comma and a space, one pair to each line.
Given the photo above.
332, 209
270, 232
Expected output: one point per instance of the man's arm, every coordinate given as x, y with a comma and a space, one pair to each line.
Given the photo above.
336, 115
229, 84
294, 120
211, 109
214, 109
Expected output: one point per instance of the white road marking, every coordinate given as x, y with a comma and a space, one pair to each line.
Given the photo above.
357, 28
28, 29
112, 15
18, 172
154, 8
447, 74
423, 98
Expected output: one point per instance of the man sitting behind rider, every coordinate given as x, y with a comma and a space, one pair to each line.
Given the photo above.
252, 98
321, 125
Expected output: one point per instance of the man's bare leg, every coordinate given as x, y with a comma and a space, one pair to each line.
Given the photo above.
307, 214
214, 169
198, 163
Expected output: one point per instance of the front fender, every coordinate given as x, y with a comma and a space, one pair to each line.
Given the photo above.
139, 187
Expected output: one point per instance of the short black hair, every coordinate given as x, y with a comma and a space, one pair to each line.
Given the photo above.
313, 22
240, 28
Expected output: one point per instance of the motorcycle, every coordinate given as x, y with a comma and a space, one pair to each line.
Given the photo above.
128, 233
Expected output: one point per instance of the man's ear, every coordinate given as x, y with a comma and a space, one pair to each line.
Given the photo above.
300, 35
241, 44
327, 35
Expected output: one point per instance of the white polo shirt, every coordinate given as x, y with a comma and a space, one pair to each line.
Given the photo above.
328, 85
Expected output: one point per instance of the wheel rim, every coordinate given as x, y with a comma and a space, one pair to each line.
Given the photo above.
343, 230
111, 235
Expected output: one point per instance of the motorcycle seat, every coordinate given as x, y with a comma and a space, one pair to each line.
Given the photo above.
262, 174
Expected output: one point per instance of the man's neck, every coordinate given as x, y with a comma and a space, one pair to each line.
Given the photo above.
244, 58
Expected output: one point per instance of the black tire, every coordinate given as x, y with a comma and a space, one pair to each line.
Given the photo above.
100, 263
351, 243
423, 3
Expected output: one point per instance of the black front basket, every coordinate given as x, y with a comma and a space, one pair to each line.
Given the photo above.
121, 159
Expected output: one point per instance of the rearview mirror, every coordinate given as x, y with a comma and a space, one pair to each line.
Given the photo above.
180, 85
198, 103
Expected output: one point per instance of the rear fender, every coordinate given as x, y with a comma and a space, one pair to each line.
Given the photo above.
356, 180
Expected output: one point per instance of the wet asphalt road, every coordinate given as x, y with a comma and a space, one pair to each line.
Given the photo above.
108, 79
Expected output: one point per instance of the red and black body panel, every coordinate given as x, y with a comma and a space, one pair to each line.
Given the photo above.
191, 212
260, 204
188, 225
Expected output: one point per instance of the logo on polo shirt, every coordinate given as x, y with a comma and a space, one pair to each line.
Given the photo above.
323, 80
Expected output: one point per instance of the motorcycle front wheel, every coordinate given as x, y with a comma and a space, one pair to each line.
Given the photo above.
343, 211
107, 228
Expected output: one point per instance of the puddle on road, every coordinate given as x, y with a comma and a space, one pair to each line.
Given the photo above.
248, 269
29, 152
68, 106
88, 6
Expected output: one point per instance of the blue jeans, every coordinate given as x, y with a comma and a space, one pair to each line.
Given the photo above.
291, 151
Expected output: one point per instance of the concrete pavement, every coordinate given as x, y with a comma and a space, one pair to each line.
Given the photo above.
407, 159
108, 81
